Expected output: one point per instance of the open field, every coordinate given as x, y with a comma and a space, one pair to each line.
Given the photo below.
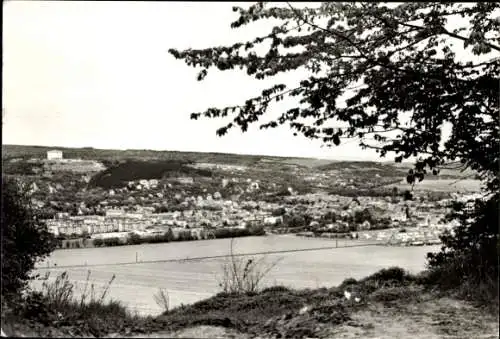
443, 185
190, 281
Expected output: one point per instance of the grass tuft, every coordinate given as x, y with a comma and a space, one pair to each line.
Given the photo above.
56, 305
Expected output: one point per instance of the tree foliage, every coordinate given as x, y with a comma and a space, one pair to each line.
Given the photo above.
399, 59
389, 75
474, 240
362, 216
25, 239
132, 170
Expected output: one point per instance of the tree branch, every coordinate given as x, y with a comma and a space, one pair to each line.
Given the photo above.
453, 35
441, 30
363, 53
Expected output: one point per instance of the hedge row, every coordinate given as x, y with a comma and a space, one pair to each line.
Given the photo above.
134, 239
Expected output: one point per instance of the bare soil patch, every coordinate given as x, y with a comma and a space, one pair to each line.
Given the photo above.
429, 318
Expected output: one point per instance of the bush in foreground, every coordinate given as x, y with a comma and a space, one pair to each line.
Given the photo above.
468, 261
162, 299
25, 239
240, 275
273, 311
57, 306
279, 311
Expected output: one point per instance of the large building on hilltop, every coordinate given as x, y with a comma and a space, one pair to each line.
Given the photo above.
54, 155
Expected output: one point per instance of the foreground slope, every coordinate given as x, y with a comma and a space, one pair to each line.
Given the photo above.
428, 318
388, 304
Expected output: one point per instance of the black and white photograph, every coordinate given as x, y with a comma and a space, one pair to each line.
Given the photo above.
189, 169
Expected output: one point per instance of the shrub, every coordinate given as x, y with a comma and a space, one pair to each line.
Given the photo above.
134, 239
407, 195
392, 274
294, 221
222, 233
257, 230
218, 208
348, 282
158, 239
329, 217
283, 193
58, 293
169, 235
162, 299
396, 294
468, 261
20, 226
459, 272
21, 167
362, 216
279, 212
56, 304
59, 244
98, 242
184, 236
33, 307
274, 289
112, 241
243, 276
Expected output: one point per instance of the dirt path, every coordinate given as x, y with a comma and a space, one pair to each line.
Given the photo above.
195, 333
430, 319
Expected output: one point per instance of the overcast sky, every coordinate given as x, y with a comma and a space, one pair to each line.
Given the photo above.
97, 74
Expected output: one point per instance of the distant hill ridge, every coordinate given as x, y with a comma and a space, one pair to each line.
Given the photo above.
111, 157
28, 151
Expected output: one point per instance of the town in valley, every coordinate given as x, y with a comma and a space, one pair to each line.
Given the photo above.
89, 198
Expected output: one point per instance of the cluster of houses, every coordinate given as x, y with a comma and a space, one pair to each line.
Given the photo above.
213, 212
401, 214
64, 224
119, 220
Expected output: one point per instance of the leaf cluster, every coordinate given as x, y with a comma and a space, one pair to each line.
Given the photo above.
397, 66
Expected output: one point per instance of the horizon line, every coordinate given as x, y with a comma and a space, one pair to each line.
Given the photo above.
381, 160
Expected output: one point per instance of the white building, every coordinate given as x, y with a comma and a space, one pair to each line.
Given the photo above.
115, 212
54, 230
273, 221
54, 155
